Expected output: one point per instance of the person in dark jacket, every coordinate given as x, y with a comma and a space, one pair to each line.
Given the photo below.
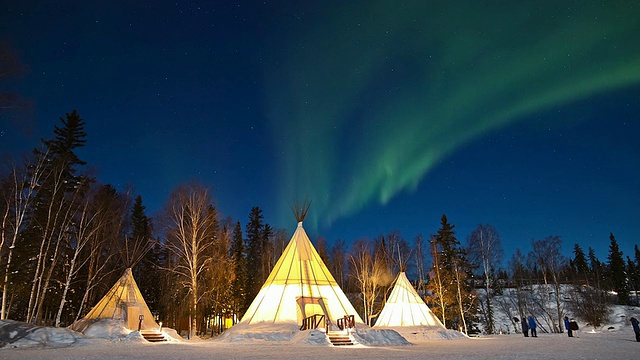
636, 328
525, 327
573, 325
532, 326
568, 326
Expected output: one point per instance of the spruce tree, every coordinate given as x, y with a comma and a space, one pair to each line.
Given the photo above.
265, 254
580, 265
53, 211
449, 281
634, 279
146, 272
617, 272
254, 232
238, 292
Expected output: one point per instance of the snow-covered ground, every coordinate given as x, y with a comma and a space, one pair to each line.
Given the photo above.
618, 344
109, 340
54, 344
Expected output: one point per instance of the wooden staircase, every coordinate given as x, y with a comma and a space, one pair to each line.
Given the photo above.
153, 336
340, 339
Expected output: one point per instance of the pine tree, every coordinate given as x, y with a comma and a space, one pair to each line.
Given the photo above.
580, 265
237, 251
254, 231
453, 294
265, 254
146, 272
53, 212
634, 279
617, 272
596, 269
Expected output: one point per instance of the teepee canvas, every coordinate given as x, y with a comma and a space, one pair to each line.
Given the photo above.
299, 286
123, 302
406, 308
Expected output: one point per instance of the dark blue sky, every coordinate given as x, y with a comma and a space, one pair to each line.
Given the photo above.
385, 114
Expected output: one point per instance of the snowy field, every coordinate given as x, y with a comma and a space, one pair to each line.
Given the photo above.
604, 345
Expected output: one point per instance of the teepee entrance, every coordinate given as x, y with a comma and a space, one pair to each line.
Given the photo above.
313, 306
300, 289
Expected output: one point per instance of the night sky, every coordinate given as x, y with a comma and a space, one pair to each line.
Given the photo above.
385, 114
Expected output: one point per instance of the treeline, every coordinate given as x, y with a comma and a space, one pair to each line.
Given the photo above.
66, 239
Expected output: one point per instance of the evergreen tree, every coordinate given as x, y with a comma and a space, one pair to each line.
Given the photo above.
580, 266
634, 279
265, 254
617, 272
68, 137
454, 295
146, 272
238, 292
55, 207
596, 269
254, 231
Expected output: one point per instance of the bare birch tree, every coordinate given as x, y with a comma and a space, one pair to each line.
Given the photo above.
78, 237
371, 274
22, 187
485, 252
546, 254
189, 224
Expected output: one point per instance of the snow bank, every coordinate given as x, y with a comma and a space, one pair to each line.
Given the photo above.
111, 329
274, 333
290, 333
366, 335
17, 334
418, 333
115, 330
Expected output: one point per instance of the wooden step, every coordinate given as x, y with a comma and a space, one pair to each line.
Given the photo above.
340, 339
154, 336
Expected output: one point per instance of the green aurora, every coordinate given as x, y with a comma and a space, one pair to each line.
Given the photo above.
407, 85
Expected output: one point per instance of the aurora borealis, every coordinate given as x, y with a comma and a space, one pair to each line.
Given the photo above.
385, 114
406, 85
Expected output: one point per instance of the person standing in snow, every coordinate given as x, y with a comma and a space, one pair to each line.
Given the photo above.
532, 326
568, 326
573, 325
525, 327
636, 328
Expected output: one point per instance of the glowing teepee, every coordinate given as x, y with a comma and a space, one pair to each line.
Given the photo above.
299, 286
123, 302
406, 308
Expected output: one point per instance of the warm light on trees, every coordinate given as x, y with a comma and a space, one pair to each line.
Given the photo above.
190, 221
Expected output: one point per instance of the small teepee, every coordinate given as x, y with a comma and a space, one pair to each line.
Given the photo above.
406, 308
299, 286
123, 302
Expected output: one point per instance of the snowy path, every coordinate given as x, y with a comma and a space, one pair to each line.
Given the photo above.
547, 346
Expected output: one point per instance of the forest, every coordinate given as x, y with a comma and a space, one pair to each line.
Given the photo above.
66, 238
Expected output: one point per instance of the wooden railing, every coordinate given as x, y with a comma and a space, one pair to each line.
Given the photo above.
348, 321
312, 322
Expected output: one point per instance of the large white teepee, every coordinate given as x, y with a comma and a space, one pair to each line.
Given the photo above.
299, 286
123, 302
406, 308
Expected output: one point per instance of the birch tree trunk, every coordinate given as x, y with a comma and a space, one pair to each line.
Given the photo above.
45, 243
70, 209
85, 230
23, 191
189, 237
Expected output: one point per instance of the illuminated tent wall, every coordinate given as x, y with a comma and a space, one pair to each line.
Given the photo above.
406, 308
300, 285
123, 302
